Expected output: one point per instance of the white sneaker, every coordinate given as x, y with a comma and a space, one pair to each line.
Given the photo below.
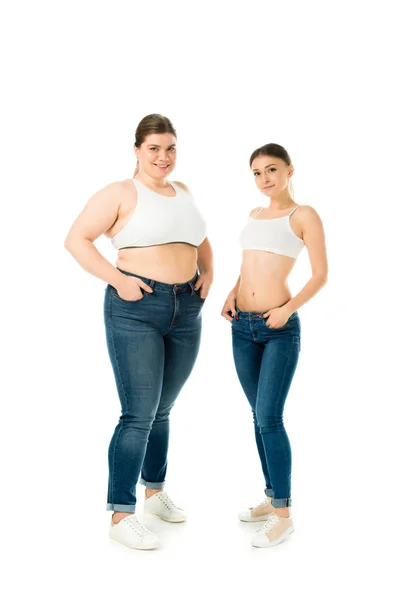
160, 504
130, 532
276, 530
260, 512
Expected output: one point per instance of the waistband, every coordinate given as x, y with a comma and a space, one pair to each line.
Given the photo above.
187, 286
259, 315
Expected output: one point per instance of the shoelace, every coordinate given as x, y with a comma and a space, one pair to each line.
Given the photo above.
263, 503
166, 500
137, 526
272, 520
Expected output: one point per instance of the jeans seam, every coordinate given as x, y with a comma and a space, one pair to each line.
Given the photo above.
280, 389
120, 431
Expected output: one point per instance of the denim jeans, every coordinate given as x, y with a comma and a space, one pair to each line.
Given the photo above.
153, 344
265, 361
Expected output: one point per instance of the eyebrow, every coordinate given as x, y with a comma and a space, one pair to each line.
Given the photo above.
158, 145
265, 167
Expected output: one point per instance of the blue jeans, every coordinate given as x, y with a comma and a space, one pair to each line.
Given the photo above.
265, 361
153, 344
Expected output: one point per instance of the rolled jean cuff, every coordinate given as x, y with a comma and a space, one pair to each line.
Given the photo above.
121, 507
281, 502
152, 485
269, 492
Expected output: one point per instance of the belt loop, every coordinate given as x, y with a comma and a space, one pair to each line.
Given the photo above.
191, 283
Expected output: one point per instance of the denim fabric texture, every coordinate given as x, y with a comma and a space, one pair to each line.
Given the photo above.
265, 361
153, 344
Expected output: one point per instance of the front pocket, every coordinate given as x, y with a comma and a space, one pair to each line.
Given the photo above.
115, 294
197, 294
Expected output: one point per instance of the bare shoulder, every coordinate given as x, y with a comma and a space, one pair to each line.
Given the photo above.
114, 193
182, 185
306, 214
254, 210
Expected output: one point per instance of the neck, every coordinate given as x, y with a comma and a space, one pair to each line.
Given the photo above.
152, 182
281, 201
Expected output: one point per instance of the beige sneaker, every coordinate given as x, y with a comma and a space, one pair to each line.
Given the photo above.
257, 513
276, 530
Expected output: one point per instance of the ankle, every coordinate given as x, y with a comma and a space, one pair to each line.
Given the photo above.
118, 516
150, 492
282, 512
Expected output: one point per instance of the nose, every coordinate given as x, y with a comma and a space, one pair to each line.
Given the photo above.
163, 155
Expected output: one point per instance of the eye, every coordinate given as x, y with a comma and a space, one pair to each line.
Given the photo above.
171, 149
256, 173
153, 148
272, 169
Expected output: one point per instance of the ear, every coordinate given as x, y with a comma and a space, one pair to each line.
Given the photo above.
291, 171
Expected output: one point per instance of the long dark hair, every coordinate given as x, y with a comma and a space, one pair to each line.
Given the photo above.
154, 123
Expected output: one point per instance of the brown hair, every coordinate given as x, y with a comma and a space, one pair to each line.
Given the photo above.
274, 150
153, 123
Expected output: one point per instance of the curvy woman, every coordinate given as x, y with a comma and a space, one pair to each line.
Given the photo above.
152, 316
266, 325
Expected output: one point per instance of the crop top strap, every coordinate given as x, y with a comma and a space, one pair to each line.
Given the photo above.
256, 212
295, 208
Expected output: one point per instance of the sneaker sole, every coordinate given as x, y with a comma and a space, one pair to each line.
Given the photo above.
285, 536
254, 519
133, 547
181, 520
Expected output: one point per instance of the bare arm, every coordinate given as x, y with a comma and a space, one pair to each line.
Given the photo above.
206, 268
99, 214
314, 239
205, 258
229, 309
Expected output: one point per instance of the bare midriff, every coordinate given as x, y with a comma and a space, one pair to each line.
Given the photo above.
169, 263
263, 281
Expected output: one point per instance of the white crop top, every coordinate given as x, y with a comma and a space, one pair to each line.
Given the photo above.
271, 235
159, 219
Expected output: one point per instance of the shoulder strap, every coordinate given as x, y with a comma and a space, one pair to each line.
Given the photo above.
256, 212
295, 208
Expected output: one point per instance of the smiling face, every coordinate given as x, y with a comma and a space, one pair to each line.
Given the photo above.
157, 155
271, 174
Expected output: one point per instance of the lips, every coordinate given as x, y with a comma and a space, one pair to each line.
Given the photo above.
268, 187
161, 166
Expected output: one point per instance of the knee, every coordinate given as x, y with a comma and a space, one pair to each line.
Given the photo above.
270, 424
136, 422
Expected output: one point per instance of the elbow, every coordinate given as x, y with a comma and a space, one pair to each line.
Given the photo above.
68, 243
322, 278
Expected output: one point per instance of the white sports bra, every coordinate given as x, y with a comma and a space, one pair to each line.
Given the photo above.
271, 235
159, 219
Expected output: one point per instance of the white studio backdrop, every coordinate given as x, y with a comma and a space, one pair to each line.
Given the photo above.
318, 78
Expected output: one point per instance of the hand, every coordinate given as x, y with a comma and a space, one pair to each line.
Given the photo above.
277, 317
131, 288
203, 284
229, 308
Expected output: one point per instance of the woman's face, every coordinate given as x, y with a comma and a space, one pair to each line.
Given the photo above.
271, 174
157, 155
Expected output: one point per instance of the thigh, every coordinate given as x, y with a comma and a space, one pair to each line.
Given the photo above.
181, 349
247, 356
136, 350
279, 362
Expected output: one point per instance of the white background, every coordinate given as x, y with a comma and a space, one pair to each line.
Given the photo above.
318, 78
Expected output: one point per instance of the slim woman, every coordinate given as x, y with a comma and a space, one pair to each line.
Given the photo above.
266, 325
152, 315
